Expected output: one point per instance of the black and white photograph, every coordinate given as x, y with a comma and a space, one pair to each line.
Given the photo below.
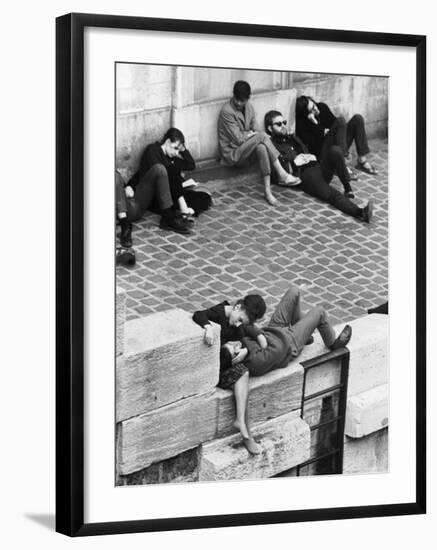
251, 241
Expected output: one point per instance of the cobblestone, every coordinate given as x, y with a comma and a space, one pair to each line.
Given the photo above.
243, 245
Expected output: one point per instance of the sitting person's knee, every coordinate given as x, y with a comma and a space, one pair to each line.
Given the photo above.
158, 170
335, 151
358, 119
341, 121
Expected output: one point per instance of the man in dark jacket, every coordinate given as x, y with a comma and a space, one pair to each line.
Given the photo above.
287, 333
296, 159
152, 181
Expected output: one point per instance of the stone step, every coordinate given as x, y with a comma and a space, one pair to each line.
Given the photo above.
366, 455
165, 360
367, 412
285, 442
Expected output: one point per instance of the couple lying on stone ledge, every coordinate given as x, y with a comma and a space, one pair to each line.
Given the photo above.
247, 350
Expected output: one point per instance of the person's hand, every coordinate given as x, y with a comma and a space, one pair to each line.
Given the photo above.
129, 192
189, 211
241, 355
326, 131
312, 118
251, 133
209, 335
311, 158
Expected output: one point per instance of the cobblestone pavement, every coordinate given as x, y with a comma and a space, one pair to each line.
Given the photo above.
243, 245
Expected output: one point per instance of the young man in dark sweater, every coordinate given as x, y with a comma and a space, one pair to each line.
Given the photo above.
286, 335
151, 182
315, 176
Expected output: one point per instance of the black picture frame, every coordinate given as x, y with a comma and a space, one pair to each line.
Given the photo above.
70, 273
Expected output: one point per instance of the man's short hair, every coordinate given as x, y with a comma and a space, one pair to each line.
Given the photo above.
225, 358
254, 306
242, 90
268, 119
173, 134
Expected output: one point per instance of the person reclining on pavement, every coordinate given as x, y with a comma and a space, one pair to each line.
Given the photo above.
295, 158
241, 142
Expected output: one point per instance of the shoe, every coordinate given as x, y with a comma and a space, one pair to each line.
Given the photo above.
368, 212
343, 338
290, 181
174, 224
366, 167
126, 235
309, 341
349, 194
125, 256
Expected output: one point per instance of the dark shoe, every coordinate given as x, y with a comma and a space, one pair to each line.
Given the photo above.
174, 224
309, 341
368, 212
349, 194
366, 167
126, 235
125, 256
343, 338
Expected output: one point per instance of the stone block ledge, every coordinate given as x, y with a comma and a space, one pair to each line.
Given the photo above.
285, 442
367, 412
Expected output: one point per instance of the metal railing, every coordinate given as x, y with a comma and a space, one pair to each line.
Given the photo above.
339, 419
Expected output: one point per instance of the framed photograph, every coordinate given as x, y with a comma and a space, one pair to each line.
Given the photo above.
240, 274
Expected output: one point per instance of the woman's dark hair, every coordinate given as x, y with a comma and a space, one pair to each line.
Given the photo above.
254, 306
301, 109
173, 134
268, 119
225, 358
242, 90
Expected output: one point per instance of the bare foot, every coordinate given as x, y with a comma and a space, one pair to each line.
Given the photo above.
270, 198
242, 428
252, 446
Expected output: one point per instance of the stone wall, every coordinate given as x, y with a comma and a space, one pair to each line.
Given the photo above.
174, 425
151, 98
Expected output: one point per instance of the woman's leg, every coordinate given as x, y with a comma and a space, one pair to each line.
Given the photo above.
241, 393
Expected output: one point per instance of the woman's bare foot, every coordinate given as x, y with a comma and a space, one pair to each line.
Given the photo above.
242, 428
270, 198
252, 446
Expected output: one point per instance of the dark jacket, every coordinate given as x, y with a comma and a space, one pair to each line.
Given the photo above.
289, 146
228, 333
276, 355
153, 154
314, 134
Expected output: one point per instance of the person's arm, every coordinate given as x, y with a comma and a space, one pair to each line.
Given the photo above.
230, 124
184, 161
183, 206
262, 341
327, 117
203, 318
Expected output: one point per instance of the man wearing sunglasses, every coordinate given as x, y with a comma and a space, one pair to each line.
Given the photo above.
315, 176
